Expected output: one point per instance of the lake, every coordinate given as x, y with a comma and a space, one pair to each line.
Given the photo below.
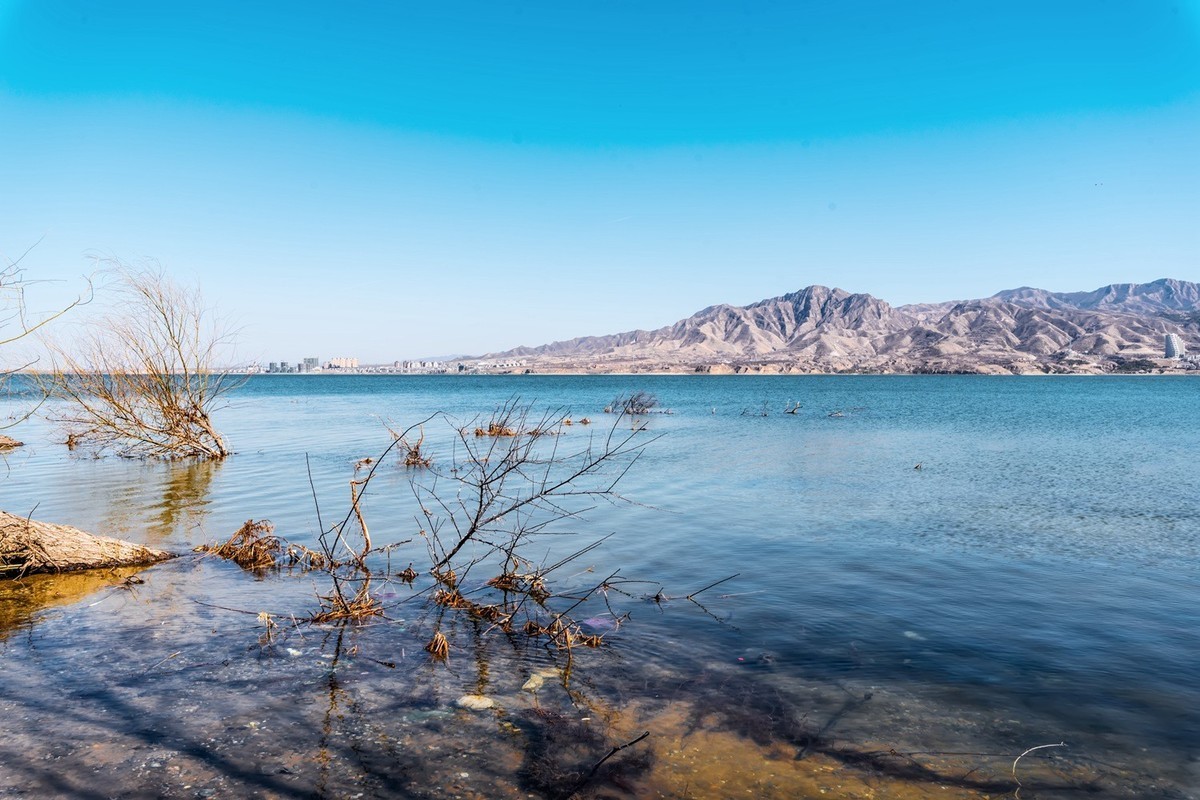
892, 631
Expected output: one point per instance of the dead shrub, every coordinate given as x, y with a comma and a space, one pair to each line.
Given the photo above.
143, 380
532, 585
414, 457
495, 429
637, 403
251, 547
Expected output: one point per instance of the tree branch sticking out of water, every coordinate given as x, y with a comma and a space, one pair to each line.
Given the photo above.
142, 381
634, 404
511, 487
479, 511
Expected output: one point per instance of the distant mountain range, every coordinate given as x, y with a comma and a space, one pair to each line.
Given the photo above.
819, 329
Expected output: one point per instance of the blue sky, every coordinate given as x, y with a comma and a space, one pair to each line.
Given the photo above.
389, 180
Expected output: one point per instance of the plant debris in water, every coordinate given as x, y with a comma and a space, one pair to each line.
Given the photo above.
253, 546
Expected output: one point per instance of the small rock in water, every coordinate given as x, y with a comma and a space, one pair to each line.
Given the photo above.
476, 702
533, 684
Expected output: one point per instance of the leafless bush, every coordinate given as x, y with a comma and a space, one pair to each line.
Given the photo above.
411, 452
479, 514
142, 381
636, 403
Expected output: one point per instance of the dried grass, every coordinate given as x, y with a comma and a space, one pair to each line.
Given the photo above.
532, 585
18, 554
495, 429
251, 547
450, 598
337, 607
303, 557
438, 647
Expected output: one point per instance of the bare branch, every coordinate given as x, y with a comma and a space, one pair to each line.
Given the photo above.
142, 381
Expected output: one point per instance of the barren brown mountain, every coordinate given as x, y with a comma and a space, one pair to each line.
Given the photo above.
819, 329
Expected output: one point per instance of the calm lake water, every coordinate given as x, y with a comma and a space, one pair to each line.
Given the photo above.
891, 632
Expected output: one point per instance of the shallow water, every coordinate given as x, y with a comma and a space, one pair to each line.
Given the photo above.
891, 631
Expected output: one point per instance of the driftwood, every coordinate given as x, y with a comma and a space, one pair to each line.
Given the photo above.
28, 546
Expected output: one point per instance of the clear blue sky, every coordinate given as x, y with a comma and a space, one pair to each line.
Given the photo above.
389, 180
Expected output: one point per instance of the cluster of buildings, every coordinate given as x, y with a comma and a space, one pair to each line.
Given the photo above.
285, 367
492, 365
349, 364
419, 366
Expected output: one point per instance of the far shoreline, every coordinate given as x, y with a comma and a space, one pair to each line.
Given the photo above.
692, 374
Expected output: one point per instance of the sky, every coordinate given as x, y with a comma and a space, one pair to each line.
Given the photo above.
394, 180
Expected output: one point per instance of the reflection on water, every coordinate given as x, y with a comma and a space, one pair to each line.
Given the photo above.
184, 496
22, 599
892, 633
160, 499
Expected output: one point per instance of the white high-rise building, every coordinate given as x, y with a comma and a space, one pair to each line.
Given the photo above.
1174, 346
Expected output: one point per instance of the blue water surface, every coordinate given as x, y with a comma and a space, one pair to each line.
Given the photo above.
1043, 558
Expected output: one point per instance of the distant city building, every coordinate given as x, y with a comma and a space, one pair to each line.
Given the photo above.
273, 366
419, 366
501, 364
343, 363
1174, 346
311, 363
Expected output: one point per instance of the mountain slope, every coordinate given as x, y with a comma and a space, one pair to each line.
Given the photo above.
823, 329
1164, 295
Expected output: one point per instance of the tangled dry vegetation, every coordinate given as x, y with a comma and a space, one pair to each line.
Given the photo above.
508, 481
142, 381
496, 429
634, 404
253, 546
19, 553
28, 546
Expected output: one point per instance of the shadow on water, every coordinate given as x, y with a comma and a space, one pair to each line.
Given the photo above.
123, 699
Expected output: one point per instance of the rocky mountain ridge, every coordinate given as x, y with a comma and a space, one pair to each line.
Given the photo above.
819, 329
